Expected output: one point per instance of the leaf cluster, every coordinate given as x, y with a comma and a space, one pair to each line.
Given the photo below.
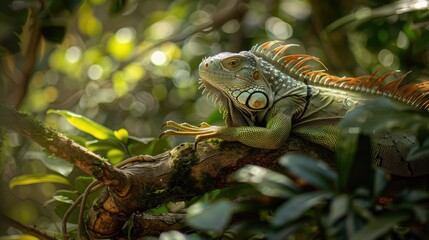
307, 199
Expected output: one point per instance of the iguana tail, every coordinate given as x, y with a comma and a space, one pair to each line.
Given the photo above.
412, 94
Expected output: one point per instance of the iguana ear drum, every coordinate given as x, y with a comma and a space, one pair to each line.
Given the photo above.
257, 100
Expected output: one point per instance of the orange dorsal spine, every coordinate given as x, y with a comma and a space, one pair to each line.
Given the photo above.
413, 94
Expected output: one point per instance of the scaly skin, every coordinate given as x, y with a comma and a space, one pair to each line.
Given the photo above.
266, 95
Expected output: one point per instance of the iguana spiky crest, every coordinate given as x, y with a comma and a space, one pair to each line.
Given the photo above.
274, 52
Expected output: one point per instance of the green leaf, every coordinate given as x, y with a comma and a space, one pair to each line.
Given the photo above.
382, 115
19, 237
60, 209
378, 226
65, 196
176, 235
97, 145
296, 207
210, 216
338, 208
62, 167
214, 117
37, 178
12, 24
354, 161
71, 5
150, 146
81, 183
315, 172
115, 156
116, 6
86, 125
121, 135
266, 181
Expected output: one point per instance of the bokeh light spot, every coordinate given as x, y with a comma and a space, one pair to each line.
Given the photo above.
73, 54
125, 35
158, 58
279, 28
386, 57
95, 72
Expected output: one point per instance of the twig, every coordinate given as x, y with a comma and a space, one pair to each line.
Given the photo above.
25, 228
233, 12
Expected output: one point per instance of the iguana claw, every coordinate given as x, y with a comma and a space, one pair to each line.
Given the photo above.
201, 132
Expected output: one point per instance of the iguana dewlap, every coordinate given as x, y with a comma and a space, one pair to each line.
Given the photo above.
266, 94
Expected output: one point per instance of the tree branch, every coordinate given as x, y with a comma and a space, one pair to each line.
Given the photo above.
182, 173
62, 147
144, 182
25, 228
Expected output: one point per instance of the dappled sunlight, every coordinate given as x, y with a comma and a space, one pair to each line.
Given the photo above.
126, 69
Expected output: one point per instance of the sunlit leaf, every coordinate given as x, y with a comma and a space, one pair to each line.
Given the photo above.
378, 226
115, 156
210, 216
121, 135
315, 172
37, 178
86, 125
19, 237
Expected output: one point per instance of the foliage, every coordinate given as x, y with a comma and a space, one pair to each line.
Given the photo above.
307, 199
130, 65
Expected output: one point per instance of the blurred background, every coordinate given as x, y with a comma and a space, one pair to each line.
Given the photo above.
133, 65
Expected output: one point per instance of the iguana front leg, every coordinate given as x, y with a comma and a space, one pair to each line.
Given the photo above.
272, 136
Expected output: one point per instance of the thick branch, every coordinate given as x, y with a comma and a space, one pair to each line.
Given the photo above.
61, 146
181, 174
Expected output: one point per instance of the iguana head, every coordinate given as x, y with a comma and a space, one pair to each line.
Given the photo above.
236, 79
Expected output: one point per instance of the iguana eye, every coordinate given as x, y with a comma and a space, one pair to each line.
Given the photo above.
231, 63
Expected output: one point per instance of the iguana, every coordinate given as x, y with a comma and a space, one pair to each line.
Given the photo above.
267, 94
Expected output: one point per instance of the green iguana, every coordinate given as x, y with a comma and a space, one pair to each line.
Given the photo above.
266, 95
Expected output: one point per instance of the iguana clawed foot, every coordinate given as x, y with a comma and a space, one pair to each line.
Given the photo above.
201, 132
